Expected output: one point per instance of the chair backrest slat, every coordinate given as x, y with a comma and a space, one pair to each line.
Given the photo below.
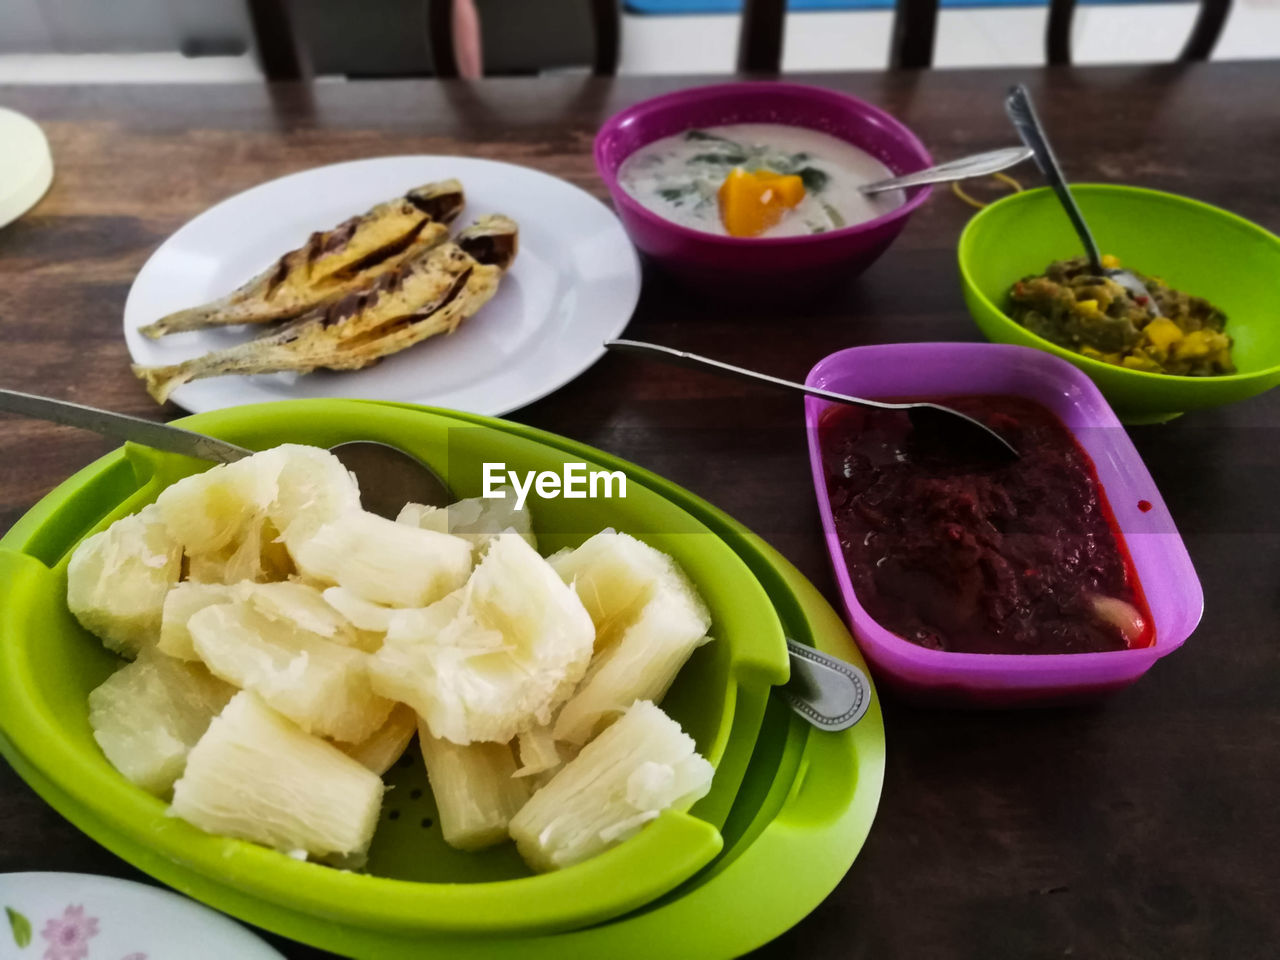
759, 46
1208, 28
1204, 35
1057, 33
283, 57
444, 61
280, 52
914, 25
606, 21
760, 36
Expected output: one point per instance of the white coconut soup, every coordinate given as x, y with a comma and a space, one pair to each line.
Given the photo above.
679, 177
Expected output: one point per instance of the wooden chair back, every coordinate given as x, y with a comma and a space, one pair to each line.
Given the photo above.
1200, 43
760, 36
283, 55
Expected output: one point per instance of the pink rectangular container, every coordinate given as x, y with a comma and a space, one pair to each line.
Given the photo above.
1164, 569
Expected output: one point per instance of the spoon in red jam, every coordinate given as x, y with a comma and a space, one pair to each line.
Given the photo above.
934, 424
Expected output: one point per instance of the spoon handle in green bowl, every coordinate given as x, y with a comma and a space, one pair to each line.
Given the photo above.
1022, 114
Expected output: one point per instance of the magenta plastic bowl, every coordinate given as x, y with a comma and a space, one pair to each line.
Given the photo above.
1163, 567
753, 264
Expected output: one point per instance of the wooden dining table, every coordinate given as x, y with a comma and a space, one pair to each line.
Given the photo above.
1141, 825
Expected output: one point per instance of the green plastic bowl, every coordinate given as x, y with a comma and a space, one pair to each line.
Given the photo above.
1194, 247
416, 886
800, 817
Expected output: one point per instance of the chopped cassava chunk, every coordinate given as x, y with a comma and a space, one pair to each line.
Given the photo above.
494, 657
306, 607
640, 666
476, 794
648, 638
638, 767
477, 519
320, 685
253, 555
314, 488
285, 601
384, 747
360, 613
385, 562
235, 520
180, 605
614, 574
222, 506
424, 517
257, 776
117, 581
148, 715
539, 753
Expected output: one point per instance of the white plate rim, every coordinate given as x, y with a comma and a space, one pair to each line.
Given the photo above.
84, 887
628, 298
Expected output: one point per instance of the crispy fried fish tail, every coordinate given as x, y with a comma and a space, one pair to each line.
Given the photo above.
332, 262
418, 299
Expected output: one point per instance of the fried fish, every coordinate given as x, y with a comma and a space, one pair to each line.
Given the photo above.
332, 263
417, 299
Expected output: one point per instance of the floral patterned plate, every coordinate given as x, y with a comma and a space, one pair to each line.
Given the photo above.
76, 916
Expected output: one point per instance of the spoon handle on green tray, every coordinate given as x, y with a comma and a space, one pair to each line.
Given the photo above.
120, 426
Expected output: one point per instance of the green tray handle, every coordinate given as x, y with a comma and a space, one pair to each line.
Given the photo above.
129, 477
18, 572
682, 844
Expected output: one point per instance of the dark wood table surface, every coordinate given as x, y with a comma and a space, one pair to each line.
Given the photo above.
1142, 826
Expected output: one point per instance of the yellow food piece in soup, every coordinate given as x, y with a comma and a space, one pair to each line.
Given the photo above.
751, 203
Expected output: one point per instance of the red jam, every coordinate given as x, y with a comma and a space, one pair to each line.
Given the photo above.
966, 556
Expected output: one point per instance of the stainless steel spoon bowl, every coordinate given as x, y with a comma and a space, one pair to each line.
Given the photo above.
388, 477
977, 165
939, 424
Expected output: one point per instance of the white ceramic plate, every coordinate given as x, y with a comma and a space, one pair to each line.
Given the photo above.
573, 285
76, 916
26, 166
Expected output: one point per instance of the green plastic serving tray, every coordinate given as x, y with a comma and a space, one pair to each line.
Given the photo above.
797, 804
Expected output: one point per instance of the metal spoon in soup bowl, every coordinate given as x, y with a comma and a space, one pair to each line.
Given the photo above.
977, 165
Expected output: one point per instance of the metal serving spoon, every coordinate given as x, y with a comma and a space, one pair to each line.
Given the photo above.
977, 165
933, 420
388, 477
1017, 104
